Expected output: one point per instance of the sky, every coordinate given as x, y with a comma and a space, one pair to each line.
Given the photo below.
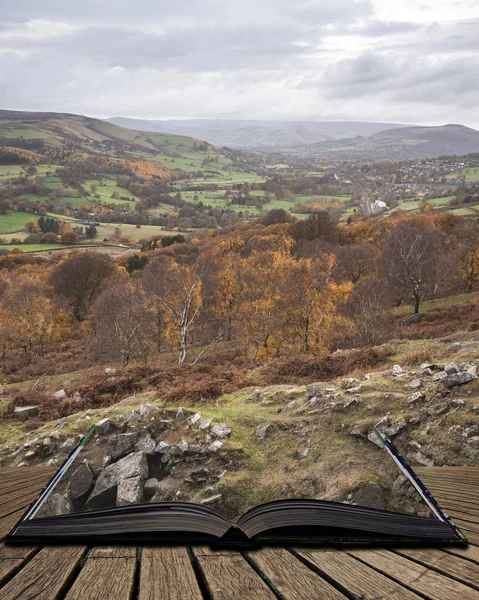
404, 61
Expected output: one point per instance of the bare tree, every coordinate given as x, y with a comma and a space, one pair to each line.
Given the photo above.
356, 261
415, 261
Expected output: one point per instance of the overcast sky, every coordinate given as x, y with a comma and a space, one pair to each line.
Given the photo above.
409, 61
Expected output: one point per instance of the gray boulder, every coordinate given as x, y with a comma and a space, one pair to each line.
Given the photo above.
451, 368
211, 500
150, 487
146, 445
458, 379
180, 414
415, 384
262, 430
56, 504
130, 491
179, 449
146, 410
313, 390
162, 448
348, 382
396, 371
204, 424
81, 482
416, 397
103, 426
25, 412
304, 453
60, 395
68, 445
121, 444
370, 496
215, 446
418, 458
221, 431
439, 376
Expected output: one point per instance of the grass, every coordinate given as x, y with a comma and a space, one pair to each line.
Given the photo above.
14, 220
469, 173
130, 231
407, 309
36, 247
106, 189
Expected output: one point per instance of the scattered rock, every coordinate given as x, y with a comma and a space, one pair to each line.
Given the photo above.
415, 384
60, 395
179, 449
305, 450
121, 444
357, 433
146, 445
221, 431
458, 379
198, 476
451, 368
396, 371
370, 495
68, 445
130, 491
416, 397
180, 414
195, 418
439, 376
475, 409
131, 415
256, 394
25, 412
418, 458
150, 487
313, 390
110, 371
146, 410
353, 390
81, 482
215, 446
211, 500
348, 382
291, 404
262, 430
204, 423
55, 504
1, 390
162, 448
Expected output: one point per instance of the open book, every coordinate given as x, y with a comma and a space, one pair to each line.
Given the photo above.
279, 521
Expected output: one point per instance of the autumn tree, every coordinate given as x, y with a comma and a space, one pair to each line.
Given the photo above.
125, 324
356, 261
468, 253
177, 290
80, 279
415, 262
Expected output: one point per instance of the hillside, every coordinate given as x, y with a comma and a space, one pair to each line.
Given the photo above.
60, 129
258, 134
404, 143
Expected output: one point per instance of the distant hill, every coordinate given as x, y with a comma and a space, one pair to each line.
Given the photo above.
404, 143
274, 135
60, 129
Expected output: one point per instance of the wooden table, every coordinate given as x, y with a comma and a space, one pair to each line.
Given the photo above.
182, 573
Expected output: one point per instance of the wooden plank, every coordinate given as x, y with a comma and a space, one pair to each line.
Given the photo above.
469, 552
456, 567
46, 575
230, 577
356, 578
26, 473
27, 490
292, 579
419, 578
8, 523
167, 574
7, 508
11, 559
107, 573
10, 488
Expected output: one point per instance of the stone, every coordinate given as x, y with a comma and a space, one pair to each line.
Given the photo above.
211, 500
372, 437
198, 475
162, 448
399, 482
458, 379
439, 376
451, 368
68, 445
179, 449
204, 424
56, 504
150, 487
348, 382
305, 450
382, 425
76, 397
110, 371
215, 446
103, 426
146, 410
395, 427
180, 414
29, 454
370, 496
353, 390
313, 390
81, 482
121, 444
131, 415
52, 462
352, 404
416, 397
130, 491
262, 430
221, 431
471, 369
358, 434
1, 390
291, 404
146, 445
60, 395
25, 412
396, 371
256, 394
415, 384
418, 458
475, 409
195, 418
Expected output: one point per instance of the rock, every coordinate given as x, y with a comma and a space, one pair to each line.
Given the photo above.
103, 426
211, 500
76, 397
150, 487
415, 384
305, 450
121, 444
256, 394
162, 448
215, 446
195, 418
56, 504
471, 369
413, 319
110, 371
179, 449
451, 368
104, 492
291, 404
439, 376
146, 445
180, 414
130, 491
68, 445
395, 427
458, 379
198, 476
399, 482
25, 412
382, 425
370, 496
262, 430
221, 431
357, 433
131, 415
60, 395
204, 423
348, 382
354, 403
353, 390
146, 410
313, 390
81, 482
52, 462
475, 409
396, 371
418, 458
416, 397
429, 366
1, 390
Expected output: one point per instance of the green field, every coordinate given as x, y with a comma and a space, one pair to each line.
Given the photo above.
107, 230
14, 221
469, 173
36, 247
8, 237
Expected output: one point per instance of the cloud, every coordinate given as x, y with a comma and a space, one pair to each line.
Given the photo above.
276, 59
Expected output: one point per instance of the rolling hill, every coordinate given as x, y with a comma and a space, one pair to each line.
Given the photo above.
404, 143
59, 129
274, 135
